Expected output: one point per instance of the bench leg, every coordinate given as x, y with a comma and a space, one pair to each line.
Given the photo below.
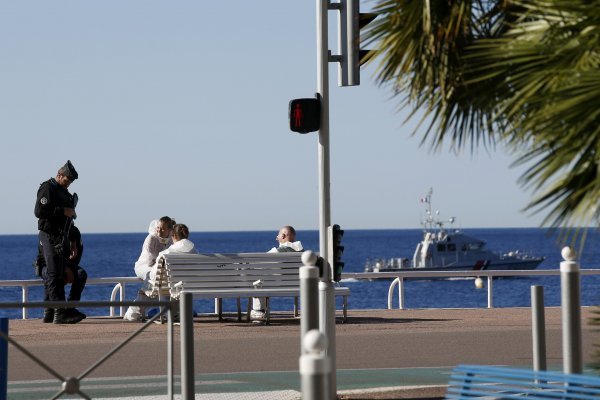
267, 310
239, 309
248, 308
295, 307
220, 309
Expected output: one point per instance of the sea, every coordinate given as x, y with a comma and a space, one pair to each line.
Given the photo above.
114, 254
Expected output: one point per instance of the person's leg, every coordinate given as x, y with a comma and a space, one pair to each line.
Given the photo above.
54, 269
79, 278
48, 312
258, 309
54, 283
137, 313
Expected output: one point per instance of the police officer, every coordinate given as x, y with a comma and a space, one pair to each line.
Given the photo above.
55, 209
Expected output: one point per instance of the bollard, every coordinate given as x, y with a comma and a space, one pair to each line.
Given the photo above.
571, 312
309, 295
538, 328
186, 316
4, 359
315, 366
327, 327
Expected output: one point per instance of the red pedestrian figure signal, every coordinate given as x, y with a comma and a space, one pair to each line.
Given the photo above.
305, 115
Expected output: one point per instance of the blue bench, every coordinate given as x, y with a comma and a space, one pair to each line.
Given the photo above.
485, 382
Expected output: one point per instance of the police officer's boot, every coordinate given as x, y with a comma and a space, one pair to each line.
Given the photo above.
48, 315
76, 312
62, 316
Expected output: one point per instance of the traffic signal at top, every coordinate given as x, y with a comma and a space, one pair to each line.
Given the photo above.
305, 115
351, 23
337, 250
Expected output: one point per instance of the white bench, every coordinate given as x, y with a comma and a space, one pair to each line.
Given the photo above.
222, 276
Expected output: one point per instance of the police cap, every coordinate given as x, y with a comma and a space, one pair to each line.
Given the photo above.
69, 171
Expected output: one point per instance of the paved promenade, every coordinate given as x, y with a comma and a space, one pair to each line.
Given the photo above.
380, 353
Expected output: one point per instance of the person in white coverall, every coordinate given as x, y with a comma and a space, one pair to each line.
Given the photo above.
287, 242
158, 239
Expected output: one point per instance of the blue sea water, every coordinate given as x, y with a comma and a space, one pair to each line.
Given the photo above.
114, 254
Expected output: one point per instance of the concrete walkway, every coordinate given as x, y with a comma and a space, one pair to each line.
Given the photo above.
380, 353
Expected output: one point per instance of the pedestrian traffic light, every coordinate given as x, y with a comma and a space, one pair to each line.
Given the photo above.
337, 250
351, 23
305, 115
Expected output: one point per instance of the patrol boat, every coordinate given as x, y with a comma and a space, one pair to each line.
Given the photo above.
451, 250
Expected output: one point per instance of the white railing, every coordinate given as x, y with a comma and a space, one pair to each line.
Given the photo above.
119, 289
401, 275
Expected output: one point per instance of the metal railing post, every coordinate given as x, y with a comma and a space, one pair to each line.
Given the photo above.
24, 296
538, 328
490, 298
187, 346
401, 293
571, 312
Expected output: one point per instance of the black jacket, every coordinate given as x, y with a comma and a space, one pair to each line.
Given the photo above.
51, 201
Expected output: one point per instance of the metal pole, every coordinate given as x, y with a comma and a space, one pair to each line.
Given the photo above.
401, 293
326, 291
538, 328
314, 366
24, 297
327, 327
323, 147
187, 346
309, 294
571, 312
4, 360
170, 355
489, 292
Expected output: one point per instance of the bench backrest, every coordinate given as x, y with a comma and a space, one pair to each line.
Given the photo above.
476, 381
231, 271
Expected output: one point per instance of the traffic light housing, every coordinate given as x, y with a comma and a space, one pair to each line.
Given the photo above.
337, 251
305, 115
351, 23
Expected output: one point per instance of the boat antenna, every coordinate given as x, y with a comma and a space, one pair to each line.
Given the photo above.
429, 222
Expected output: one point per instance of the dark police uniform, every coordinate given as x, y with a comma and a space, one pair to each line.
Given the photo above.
79, 274
52, 199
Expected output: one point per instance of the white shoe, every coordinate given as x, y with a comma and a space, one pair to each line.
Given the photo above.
133, 314
257, 315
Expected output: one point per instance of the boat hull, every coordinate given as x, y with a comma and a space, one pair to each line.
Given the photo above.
493, 266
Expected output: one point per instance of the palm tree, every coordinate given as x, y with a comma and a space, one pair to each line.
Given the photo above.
520, 73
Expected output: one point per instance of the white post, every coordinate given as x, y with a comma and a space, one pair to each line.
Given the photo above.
571, 312
309, 295
314, 366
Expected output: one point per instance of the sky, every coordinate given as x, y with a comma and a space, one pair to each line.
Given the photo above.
180, 108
